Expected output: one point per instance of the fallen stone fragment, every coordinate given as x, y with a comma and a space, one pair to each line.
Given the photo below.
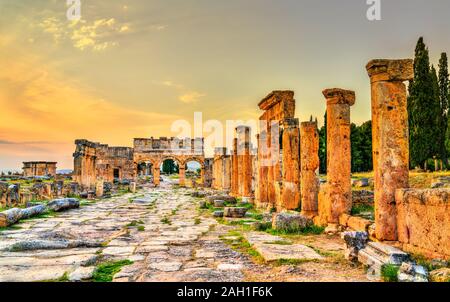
10, 217
225, 198
412, 273
219, 203
31, 245
354, 241
290, 221
59, 205
218, 214
440, 275
235, 212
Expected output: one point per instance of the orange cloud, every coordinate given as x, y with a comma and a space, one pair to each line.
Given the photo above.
40, 104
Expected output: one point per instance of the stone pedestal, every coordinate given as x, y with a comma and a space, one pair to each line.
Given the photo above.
290, 191
390, 139
339, 188
309, 137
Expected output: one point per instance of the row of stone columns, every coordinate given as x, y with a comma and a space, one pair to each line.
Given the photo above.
242, 164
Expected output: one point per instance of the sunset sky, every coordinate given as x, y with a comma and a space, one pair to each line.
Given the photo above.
129, 68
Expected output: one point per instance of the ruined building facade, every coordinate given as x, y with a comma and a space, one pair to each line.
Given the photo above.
39, 168
95, 161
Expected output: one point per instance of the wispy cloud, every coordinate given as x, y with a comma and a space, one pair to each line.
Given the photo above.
186, 95
191, 97
96, 35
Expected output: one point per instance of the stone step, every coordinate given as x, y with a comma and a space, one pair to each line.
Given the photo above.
377, 254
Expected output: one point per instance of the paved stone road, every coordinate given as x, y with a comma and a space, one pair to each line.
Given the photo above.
160, 230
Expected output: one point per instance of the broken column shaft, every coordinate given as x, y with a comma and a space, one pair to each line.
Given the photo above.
244, 161
290, 195
390, 139
309, 137
339, 188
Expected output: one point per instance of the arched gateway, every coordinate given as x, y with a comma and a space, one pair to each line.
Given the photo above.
94, 160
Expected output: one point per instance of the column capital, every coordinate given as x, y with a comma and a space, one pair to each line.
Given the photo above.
339, 96
390, 70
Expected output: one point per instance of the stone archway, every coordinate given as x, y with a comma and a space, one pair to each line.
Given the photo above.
198, 160
176, 161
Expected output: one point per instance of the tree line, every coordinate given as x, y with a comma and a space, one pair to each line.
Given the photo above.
428, 107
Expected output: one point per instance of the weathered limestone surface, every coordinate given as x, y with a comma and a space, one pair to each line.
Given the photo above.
390, 139
221, 170
244, 161
270, 249
235, 170
94, 160
278, 106
423, 221
290, 191
41, 168
309, 168
339, 189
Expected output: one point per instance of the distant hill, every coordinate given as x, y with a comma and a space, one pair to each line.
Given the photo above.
64, 171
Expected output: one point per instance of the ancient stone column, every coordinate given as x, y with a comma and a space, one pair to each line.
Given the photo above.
309, 137
245, 167
290, 191
390, 139
339, 187
235, 169
182, 175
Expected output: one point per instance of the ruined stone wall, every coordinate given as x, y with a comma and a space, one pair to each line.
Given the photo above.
85, 163
423, 221
31, 169
115, 160
208, 172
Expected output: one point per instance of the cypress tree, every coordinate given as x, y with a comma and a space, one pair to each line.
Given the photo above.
444, 106
421, 109
323, 147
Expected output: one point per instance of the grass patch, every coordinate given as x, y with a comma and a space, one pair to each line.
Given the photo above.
63, 278
241, 245
421, 260
361, 208
10, 228
141, 228
135, 223
197, 221
281, 262
389, 273
105, 272
279, 242
166, 220
310, 230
